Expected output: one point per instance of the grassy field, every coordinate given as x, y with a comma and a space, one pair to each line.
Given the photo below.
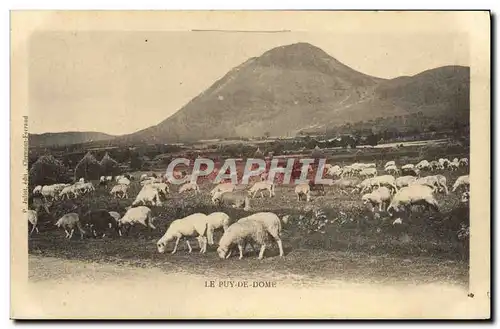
333, 236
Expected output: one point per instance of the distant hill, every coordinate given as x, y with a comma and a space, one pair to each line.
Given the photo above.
299, 86
66, 138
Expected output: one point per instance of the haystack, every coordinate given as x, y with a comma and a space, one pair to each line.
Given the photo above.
109, 166
47, 170
88, 168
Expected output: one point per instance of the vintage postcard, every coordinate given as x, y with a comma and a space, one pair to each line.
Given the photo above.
250, 165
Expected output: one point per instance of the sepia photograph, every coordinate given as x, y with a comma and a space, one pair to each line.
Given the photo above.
250, 165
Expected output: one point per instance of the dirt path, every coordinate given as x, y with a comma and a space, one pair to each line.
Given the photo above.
73, 288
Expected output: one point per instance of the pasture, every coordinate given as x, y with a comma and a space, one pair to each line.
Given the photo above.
333, 236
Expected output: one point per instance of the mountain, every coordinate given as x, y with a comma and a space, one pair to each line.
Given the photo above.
299, 86
66, 138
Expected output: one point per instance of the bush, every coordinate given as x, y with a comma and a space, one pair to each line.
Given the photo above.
48, 170
88, 168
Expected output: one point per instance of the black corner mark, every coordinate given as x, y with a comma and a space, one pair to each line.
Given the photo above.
471, 295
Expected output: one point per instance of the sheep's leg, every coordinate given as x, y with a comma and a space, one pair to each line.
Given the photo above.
263, 248
36, 229
71, 234
189, 246
176, 244
33, 228
380, 206
240, 248
67, 233
280, 246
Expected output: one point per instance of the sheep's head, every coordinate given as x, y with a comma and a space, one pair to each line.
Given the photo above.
161, 245
221, 252
285, 219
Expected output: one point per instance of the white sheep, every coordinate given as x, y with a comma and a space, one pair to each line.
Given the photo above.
368, 172
404, 181
334, 171
424, 164
216, 220
33, 220
390, 163
435, 165
121, 189
147, 195
136, 215
161, 187
236, 199
117, 178
384, 180
272, 224
391, 169
261, 187
465, 197
412, 195
461, 181
190, 186
37, 189
453, 165
381, 197
67, 191
194, 225
303, 189
347, 171
123, 181
81, 180
436, 182
223, 187
408, 166
410, 171
239, 234
464, 162
70, 222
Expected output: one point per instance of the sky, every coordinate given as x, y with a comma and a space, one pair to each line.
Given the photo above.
118, 82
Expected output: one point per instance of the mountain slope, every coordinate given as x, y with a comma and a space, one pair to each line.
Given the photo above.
299, 86
66, 138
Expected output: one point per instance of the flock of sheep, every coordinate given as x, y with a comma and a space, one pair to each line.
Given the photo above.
388, 193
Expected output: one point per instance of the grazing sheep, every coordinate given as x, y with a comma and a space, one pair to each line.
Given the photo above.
424, 164
194, 225
347, 171
463, 162
368, 172
119, 189
436, 182
408, 166
412, 195
51, 191
215, 221
190, 186
384, 180
272, 224
392, 169
390, 163
239, 234
444, 162
223, 187
334, 171
148, 195
236, 199
465, 197
404, 181
260, 187
68, 191
435, 165
303, 189
453, 165
33, 220
461, 181
137, 215
123, 181
410, 171
381, 197
162, 188
70, 222
98, 221
37, 189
